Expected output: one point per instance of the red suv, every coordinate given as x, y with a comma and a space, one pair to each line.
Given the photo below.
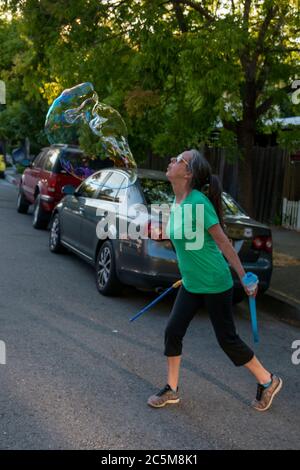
43, 179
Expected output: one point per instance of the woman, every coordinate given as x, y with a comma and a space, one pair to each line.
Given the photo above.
205, 273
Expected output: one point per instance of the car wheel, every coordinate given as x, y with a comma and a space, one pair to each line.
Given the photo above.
40, 217
22, 203
106, 277
54, 237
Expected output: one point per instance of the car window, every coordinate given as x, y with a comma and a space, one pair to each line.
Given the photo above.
231, 207
75, 161
50, 159
38, 159
112, 186
122, 192
91, 186
72, 162
157, 191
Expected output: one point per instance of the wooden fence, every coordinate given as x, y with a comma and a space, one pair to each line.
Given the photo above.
291, 214
275, 180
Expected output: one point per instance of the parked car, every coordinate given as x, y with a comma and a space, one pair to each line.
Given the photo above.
149, 263
44, 178
2, 166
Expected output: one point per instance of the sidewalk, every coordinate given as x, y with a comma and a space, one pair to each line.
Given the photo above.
12, 176
286, 273
283, 296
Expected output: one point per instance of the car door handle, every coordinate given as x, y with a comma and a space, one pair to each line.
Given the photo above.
81, 210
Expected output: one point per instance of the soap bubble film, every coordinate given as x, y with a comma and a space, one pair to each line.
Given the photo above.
77, 117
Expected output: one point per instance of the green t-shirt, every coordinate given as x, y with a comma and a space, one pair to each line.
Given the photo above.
201, 263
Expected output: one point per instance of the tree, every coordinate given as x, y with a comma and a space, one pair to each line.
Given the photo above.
237, 61
172, 68
24, 111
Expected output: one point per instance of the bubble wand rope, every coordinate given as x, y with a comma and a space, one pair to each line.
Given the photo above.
147, 307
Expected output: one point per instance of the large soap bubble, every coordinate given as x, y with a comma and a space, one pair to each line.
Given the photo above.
77, 117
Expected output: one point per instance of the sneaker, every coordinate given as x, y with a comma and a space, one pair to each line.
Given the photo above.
163, 397
265, 396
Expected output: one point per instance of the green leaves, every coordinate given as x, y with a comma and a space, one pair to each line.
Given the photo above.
171, 68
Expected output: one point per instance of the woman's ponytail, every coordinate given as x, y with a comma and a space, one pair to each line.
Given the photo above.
205, 181
215, 196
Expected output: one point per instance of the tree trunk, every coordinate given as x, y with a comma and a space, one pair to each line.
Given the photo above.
245, 185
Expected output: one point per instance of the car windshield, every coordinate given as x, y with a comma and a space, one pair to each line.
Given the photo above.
161, 192
157, 191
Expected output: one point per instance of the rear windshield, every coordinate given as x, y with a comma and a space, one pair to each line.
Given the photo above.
161, 192
231, 207
80, 164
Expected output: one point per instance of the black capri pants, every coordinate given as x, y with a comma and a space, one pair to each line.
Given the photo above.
219, 307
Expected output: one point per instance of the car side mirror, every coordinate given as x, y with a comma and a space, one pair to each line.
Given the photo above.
68, 190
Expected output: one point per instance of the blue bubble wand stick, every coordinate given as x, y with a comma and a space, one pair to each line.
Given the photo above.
174, 286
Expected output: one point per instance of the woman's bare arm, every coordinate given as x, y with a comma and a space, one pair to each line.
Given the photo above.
227, 249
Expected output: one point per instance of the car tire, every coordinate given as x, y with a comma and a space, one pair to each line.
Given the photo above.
40, 216
22, 203
55, 245
107, 281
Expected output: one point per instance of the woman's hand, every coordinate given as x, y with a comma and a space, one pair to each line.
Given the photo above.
250, 293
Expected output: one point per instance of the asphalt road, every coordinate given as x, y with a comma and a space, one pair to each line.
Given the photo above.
78, 374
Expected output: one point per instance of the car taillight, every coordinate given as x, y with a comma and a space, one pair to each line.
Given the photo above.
269, 244
262, 244
52, 186
257, 243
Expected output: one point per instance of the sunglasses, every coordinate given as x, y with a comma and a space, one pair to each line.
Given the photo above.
180, 158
